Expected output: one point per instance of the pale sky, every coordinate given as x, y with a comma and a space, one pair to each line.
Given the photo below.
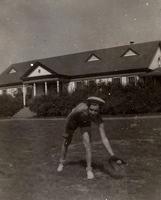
33, 29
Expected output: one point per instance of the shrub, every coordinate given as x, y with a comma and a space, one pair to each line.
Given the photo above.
10, 105
131, 99
52, 105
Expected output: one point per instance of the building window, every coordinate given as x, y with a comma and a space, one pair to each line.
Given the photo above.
109, 80
71, 87
104, 80
85, 82
12, 91
98, 81
132, 80
79, 85
91, 82
101, 81
116, 80
124, 80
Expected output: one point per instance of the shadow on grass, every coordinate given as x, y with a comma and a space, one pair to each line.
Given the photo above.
103, 168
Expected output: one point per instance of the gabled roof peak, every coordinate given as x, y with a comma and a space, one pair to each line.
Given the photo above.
12, 71
93, 57
130, 52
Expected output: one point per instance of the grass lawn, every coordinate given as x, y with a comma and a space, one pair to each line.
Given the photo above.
29, 153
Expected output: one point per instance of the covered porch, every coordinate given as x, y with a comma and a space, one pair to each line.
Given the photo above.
35, 88
153, 76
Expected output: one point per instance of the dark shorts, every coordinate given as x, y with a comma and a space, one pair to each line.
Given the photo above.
70, 128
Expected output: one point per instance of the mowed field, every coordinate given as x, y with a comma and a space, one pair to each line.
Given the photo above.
29, 153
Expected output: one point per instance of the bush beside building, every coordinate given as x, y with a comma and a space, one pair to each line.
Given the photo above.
120, 100
9, 105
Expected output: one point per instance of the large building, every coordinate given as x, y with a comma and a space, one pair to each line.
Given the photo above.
124, 64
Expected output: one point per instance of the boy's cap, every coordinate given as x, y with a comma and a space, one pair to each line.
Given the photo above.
96, 100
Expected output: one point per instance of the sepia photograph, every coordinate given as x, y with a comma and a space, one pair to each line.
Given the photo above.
80, 100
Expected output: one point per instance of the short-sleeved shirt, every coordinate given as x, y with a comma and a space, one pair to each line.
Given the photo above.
79, 117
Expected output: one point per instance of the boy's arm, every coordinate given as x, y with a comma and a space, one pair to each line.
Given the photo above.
105, 140
108, 147
80, 107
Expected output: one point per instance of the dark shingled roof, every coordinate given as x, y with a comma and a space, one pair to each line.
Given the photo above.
156, 72
111, 61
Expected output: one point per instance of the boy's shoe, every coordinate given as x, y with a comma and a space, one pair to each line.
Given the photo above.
90, 174
60, 167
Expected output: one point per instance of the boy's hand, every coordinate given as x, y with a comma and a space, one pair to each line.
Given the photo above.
116, 160
116, 167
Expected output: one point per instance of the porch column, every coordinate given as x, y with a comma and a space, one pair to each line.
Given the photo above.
58, 89
24, 94
34, 89
46, 88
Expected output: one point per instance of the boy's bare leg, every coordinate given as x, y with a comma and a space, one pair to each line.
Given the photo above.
87, 145
63, 154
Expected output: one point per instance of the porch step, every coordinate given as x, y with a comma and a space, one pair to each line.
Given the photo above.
24, 113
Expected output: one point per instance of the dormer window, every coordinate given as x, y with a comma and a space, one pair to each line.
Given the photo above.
93, 57
12, 71
130, 52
